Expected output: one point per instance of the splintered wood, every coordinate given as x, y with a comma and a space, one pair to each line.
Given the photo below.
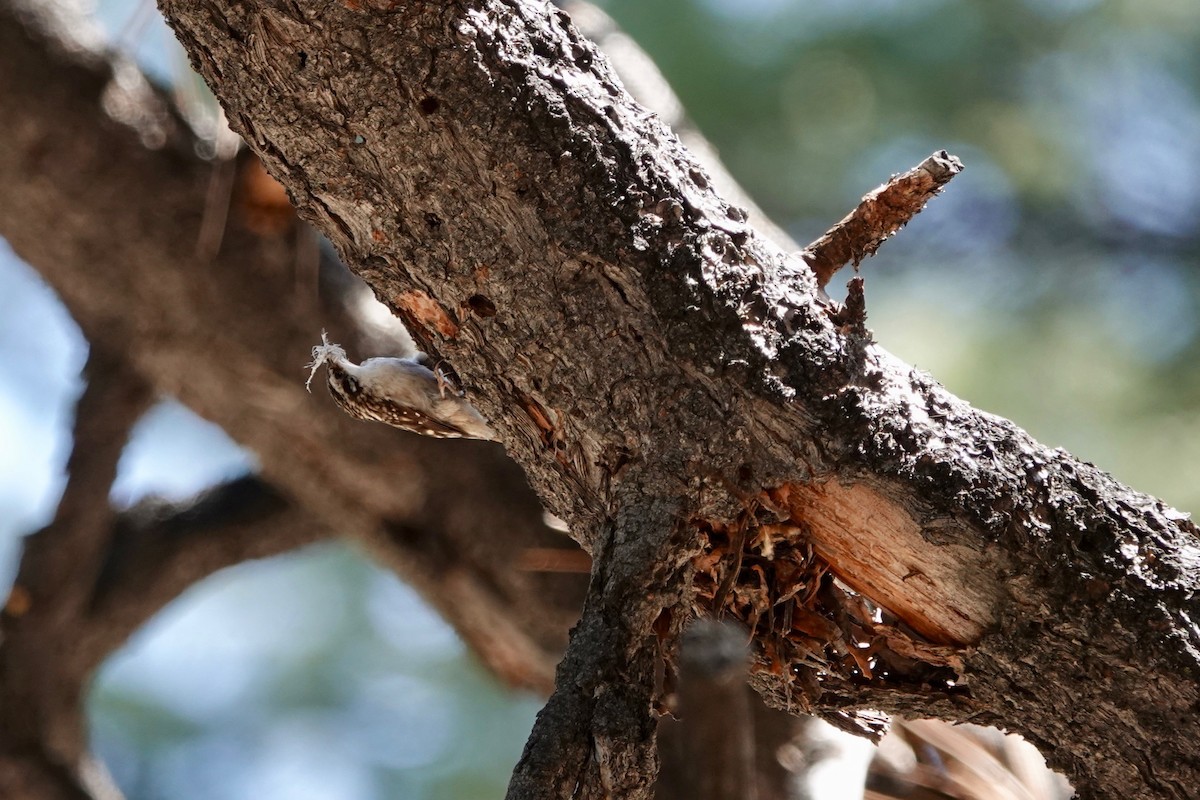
825, 613
947, 592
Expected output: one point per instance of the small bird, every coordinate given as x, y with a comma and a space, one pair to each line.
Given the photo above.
399, 391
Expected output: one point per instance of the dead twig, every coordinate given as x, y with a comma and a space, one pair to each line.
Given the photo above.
881, 213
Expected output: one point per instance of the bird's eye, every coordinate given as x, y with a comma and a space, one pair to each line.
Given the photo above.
350, 386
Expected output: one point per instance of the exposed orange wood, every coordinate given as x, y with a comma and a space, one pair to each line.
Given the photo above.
947, 593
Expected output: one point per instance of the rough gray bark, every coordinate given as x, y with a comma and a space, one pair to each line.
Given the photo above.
111, 223
641, 350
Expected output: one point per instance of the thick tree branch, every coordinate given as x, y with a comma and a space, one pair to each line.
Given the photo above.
229, 337
642, 79
595, 737
156, 556
480, 155
452, 520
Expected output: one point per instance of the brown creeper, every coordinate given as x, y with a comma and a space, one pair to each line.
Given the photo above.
399, 391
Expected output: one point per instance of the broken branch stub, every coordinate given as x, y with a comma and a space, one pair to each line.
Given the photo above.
882, 212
